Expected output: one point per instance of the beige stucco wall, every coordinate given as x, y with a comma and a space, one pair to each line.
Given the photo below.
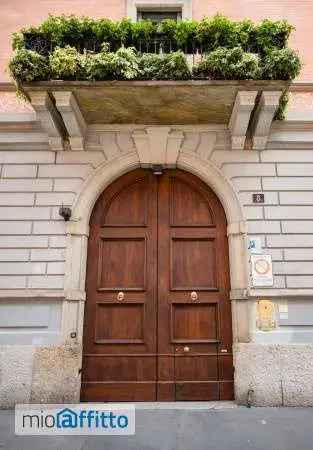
14, 15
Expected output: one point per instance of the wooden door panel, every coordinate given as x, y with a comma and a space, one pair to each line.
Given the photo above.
124, 368
120, 342
144, 391
193, 264
196, 368
122, 264
226, 389
225, 367
193, 287
197, 391
188, 207
157, 240
194, 322
166, 391
129, 206
121, 323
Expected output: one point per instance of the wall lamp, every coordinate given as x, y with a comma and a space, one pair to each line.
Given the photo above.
157, 169
65, 212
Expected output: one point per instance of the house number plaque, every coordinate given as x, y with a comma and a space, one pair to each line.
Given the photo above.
258, 198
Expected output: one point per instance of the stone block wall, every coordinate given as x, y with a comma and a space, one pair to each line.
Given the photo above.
35, 182
275, 375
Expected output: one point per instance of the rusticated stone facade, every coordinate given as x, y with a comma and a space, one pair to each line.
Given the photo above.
42, 268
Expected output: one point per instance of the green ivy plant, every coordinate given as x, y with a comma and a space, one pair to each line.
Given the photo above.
281, 111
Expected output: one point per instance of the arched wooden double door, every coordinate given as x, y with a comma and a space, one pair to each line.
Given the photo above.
158, 315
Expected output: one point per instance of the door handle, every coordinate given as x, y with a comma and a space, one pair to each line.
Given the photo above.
185, 349
120, 296
194, 296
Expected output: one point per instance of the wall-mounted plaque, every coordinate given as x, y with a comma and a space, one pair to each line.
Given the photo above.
261, 271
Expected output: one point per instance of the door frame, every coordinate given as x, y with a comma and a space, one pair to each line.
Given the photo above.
78, 231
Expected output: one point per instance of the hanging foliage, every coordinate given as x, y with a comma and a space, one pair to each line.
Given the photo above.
81, 48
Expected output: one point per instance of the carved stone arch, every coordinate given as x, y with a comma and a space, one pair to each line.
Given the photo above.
107, 172
78, 229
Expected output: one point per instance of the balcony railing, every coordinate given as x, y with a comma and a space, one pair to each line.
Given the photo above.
158, 44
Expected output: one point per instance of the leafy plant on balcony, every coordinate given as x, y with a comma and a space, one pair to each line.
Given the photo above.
26, 65
245, 35
71, 48
168, 29
205, 35
64, 32
105, 30
142, 34
67, 64
170, 66
229, 64
281, 64
186, 35
270, 35
18, 38
219, 31
124, 32
119, 65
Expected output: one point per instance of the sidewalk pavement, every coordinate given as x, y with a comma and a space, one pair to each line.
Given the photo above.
186, 427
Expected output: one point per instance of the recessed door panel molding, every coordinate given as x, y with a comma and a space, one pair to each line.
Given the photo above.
122, 263
193, 264
129, 207
109, 317
189, 207
158, 315
194, 323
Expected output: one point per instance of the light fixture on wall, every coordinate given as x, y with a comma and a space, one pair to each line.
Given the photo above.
157, 169
65, 212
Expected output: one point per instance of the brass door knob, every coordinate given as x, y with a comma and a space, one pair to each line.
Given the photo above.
186, 349
120, 296
194, 296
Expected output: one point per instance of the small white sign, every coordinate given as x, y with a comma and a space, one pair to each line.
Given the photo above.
261, 270
255, 245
